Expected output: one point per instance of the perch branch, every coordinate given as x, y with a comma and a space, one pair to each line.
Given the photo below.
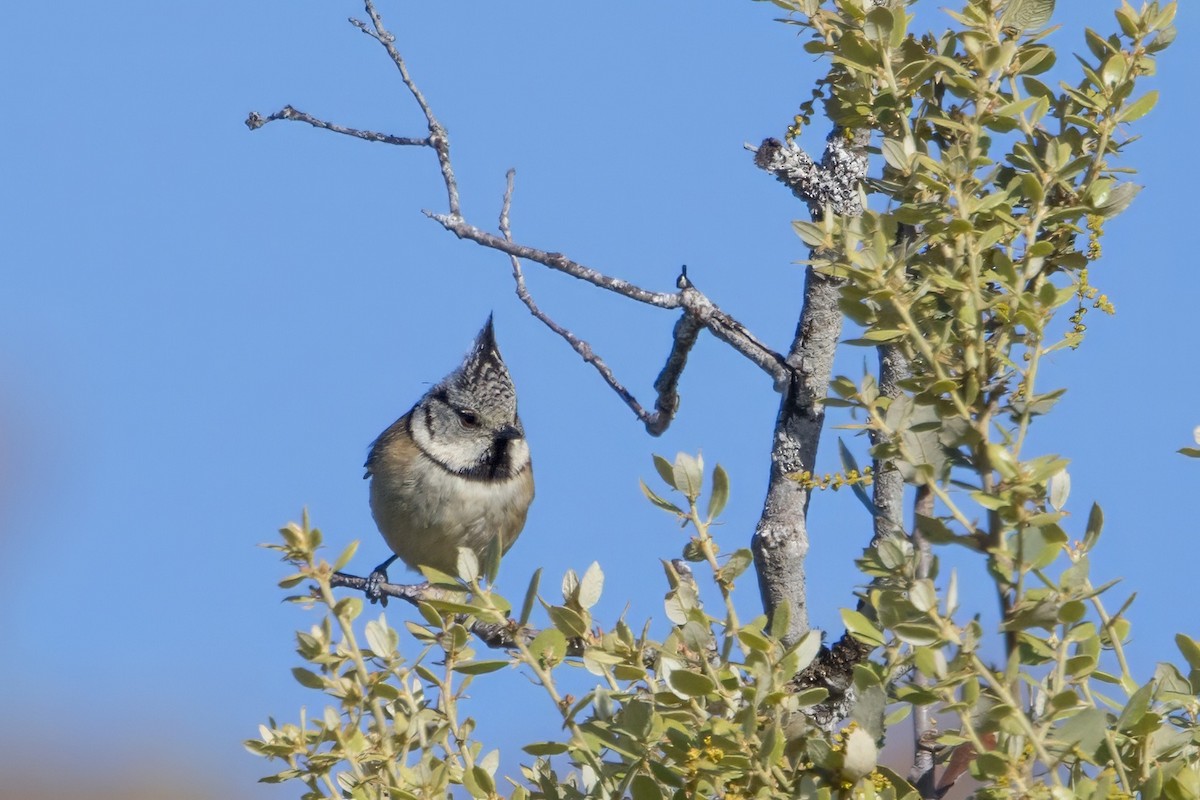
495, 635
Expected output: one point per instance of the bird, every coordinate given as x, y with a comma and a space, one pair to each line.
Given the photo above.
454, 471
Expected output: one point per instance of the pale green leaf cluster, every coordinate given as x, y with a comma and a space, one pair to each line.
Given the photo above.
710, 709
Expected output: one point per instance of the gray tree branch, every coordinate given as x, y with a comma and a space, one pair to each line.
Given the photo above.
887, 490
780, 542
699, 311
256, 121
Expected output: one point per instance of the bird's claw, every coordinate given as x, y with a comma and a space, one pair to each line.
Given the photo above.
374, 587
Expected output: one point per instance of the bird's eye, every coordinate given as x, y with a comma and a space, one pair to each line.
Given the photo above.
468, 419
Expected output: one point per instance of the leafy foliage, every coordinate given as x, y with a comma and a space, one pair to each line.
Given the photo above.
708, 710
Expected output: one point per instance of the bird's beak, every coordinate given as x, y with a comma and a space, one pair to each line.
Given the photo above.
509, 433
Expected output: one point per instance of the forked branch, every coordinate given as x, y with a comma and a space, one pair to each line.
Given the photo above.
699, 312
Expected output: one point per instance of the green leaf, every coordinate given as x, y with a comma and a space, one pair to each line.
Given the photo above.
738, 562
1189, 648
1085, 730
665, 505
643, 787
781, 619
922, 595
895, 154
380, 638
479, 667
878, 25
308, 678
719, 493
545, 748
591, 585
665, 471
550, 646
861, 628
811, 234
1094, 524
937, 532
810, 697
689, 474
1140, 107
806, 649
1027, 15
567, 620
570, 585
348, 608
1136, 708
849, 464
478, 783
300, 577
530, 596
467, 565
345, 557
690, 684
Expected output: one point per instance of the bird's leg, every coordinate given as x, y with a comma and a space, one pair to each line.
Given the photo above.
376, 579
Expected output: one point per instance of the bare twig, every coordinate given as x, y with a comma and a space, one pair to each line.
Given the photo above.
437, 133
651, 421
256, 121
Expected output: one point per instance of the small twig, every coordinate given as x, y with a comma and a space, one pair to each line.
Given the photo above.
498, 636
655, 423
256, 121
437, 133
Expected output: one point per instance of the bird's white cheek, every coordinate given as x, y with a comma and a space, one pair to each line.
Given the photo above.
518, 453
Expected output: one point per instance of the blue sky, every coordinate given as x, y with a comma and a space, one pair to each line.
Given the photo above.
202, 329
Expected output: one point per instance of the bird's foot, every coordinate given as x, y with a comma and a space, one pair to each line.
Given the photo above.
374, 587
375, 582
